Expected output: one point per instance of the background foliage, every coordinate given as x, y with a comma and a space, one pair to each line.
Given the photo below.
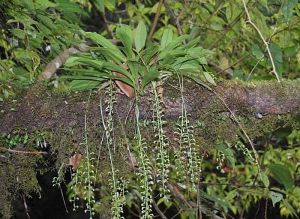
203, 40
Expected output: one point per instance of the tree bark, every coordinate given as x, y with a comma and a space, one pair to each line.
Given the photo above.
39, 108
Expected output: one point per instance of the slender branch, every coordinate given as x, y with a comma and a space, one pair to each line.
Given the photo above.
23, 152
161, 214
241, 128
102, 14
154, 24
109, 32
57, 62
230, 66
263, 39
177, 194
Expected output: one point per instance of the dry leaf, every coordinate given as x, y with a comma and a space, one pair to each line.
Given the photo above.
74, 161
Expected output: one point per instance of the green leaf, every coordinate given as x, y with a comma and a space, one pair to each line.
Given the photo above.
110, 4
109, 54
149, 52
86, 74
228, 152
113, 67
134, 68
79, 85
256, 51
100, 40
150, 76
167, 38
140, 36
124, 33
19, 33
197, 52
282, 174
276, 52
265, 179
176, 43
277, 57
288, 8
72, 61
275, 197
100, 5
209, 78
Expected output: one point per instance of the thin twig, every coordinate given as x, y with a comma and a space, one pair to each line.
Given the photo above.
23, 152
230, 66
105, 21
263, 39
242, 129
154, 24
63, 199
177, 194
26, 206
252, 70
161, 214
109, 32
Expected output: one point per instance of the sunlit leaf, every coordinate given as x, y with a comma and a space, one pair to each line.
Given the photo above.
124, 33
256, 51
275, 197
140, 36
100, 5
167, 38
288, 8
265, 179
97, 38
282, 174
150, 76
209, 78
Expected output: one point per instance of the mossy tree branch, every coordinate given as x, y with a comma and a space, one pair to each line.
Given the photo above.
40, 109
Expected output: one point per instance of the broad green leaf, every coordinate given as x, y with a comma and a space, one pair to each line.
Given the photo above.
265, 179
150, 76
97, 38
47, 22
277, 57
282, 174
123, 79
140, 36
256, 51
209, 78
117, 68
100, 5
79, 85
134, 68
276, 52
197, 52
72, 61
110, 4
44, 4
124, 33
18, 33
86, 74
167, 38
275, 197
149, 52
171, 46
288, 8
109, 54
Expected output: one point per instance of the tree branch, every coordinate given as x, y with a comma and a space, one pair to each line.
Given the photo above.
23, 152
154, 24
39, 109
263, 39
